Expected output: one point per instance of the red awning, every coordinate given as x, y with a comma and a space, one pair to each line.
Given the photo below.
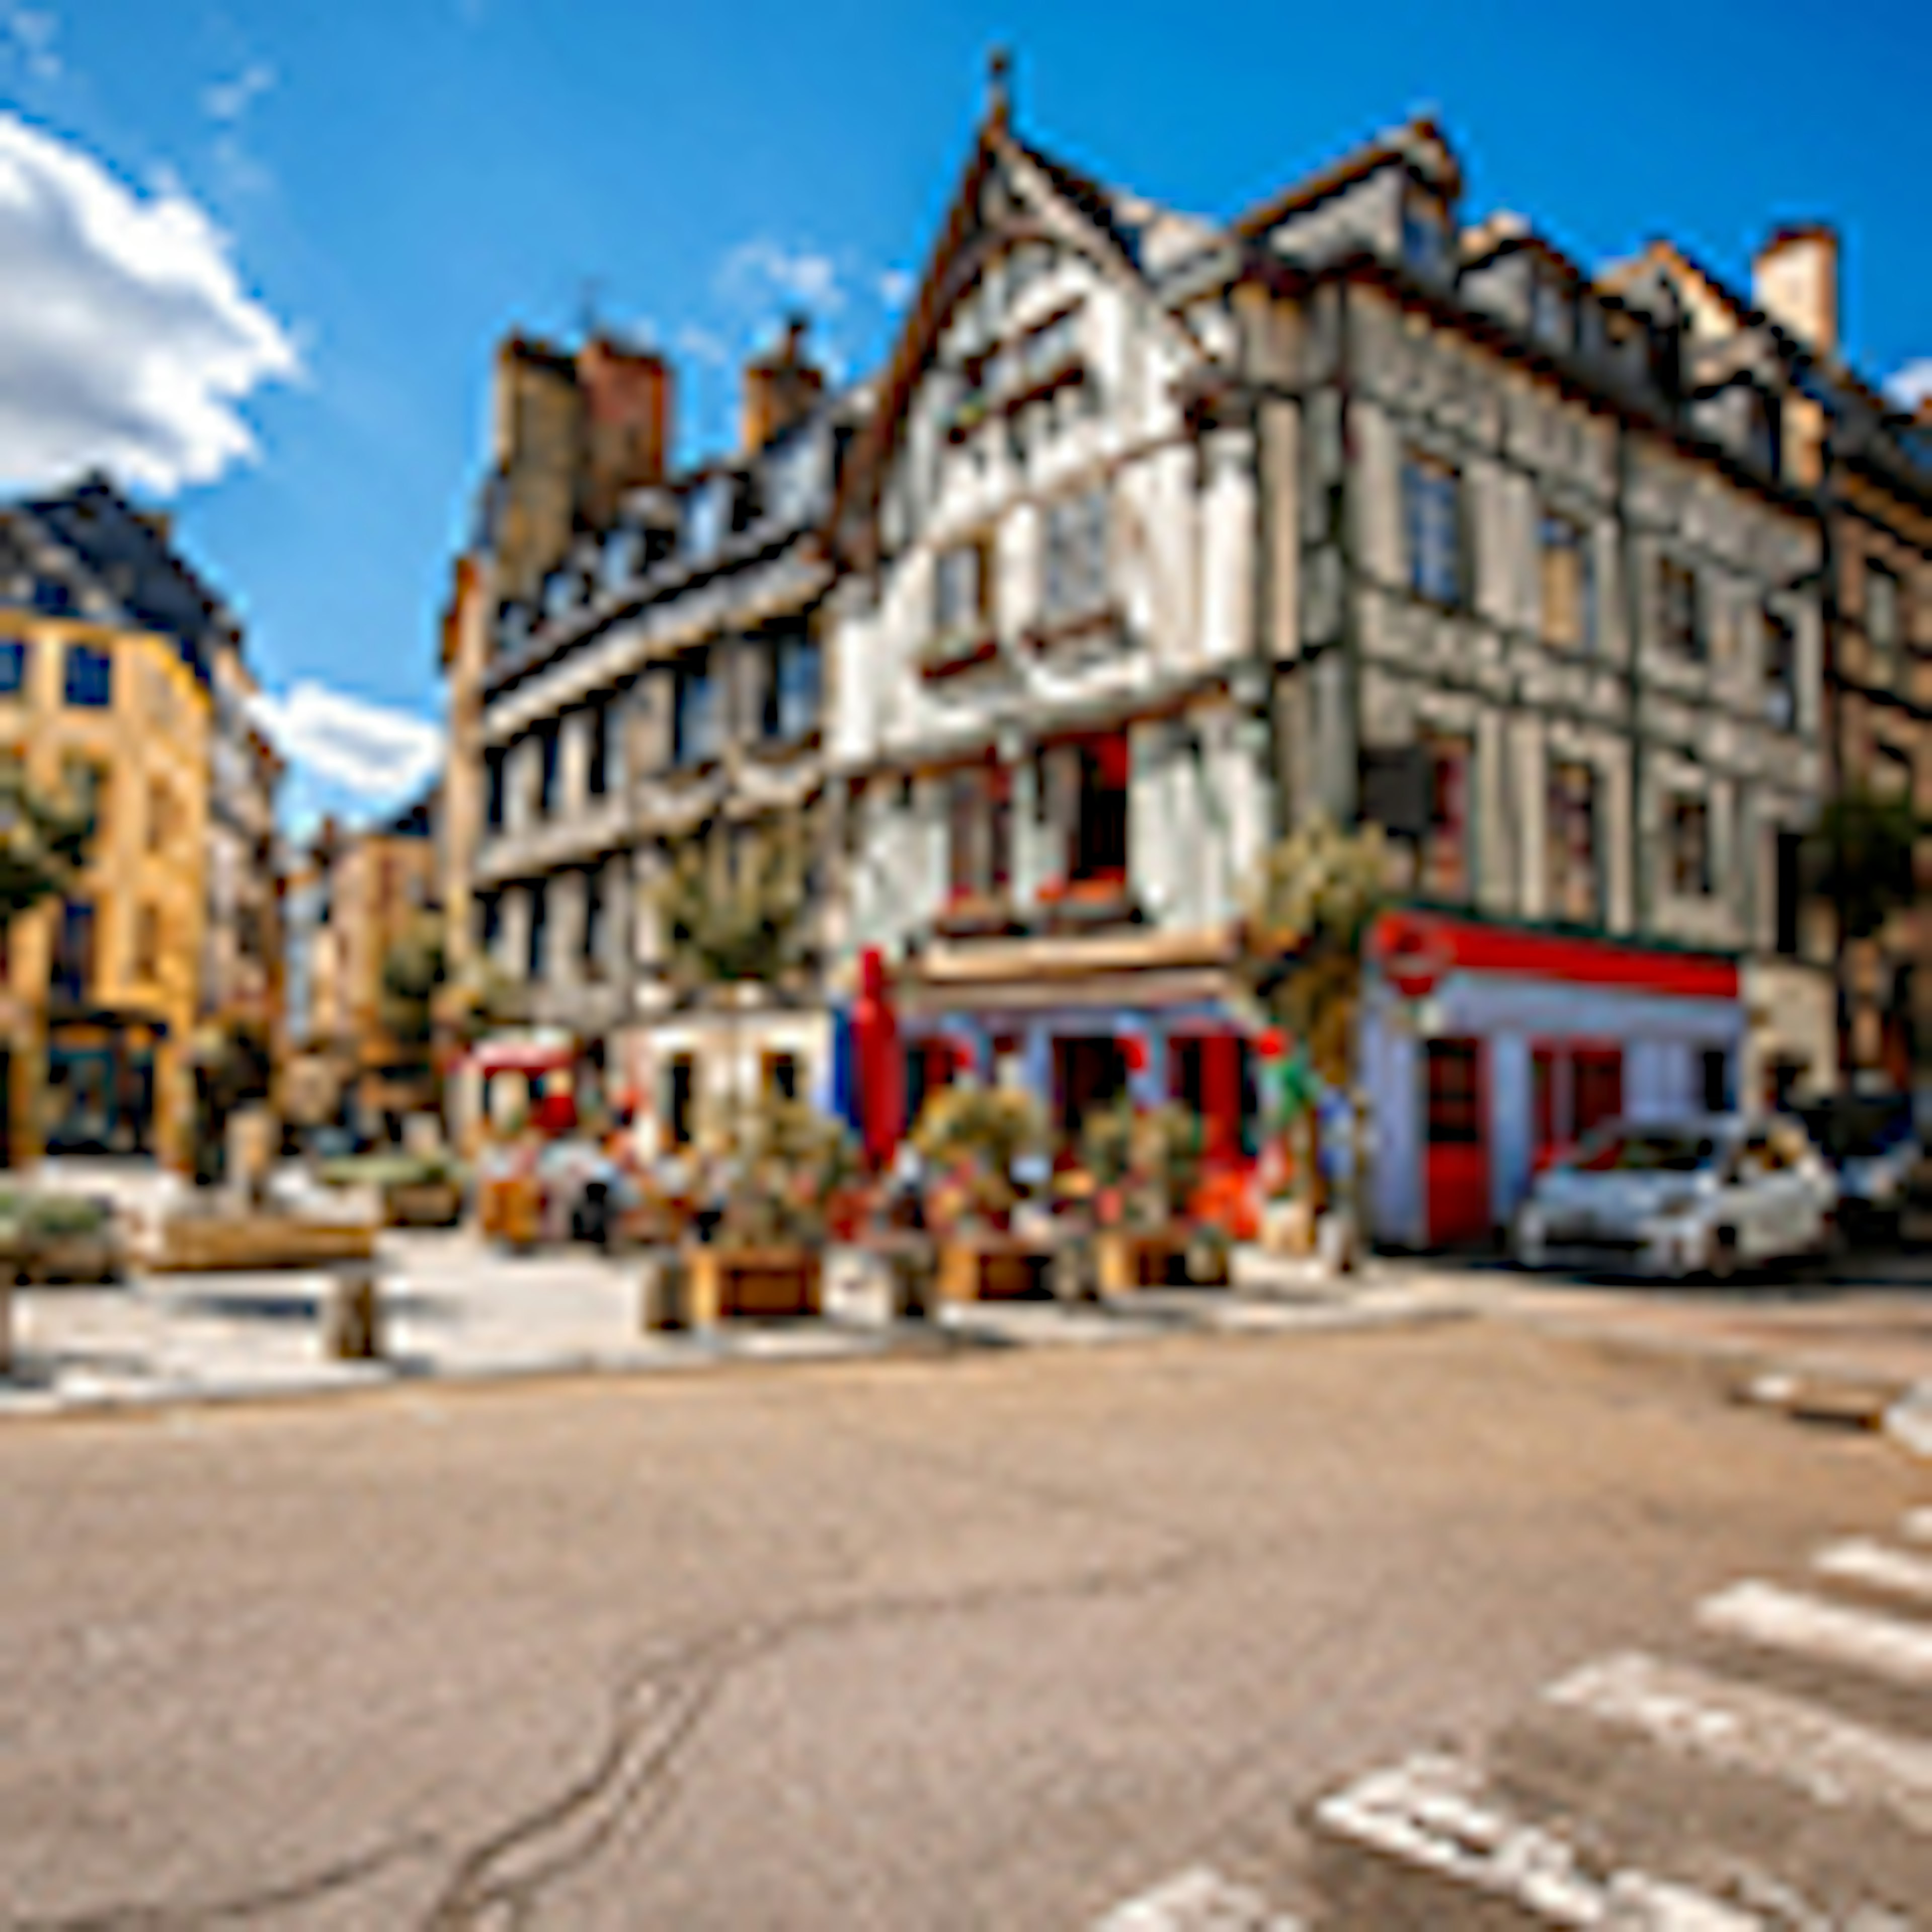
1470, 945
522, 1056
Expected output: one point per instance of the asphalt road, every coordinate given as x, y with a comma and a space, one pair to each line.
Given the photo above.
993, 1642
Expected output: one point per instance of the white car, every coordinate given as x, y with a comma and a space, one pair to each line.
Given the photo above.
1704, 1195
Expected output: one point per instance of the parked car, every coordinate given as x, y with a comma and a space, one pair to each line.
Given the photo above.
1706, 1195
1872, 1142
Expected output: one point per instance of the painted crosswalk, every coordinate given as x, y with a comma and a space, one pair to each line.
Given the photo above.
1769, 1771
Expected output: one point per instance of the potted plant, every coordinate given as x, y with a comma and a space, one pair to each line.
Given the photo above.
973, 1135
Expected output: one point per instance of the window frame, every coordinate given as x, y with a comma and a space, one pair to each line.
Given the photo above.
1076, 536
1687, 808
87, 676
1683, 632
1566, 857
1553, 527
1439, 566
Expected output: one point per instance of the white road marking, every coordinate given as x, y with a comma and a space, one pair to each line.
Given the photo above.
1434, 1813
1198, 1899
1768, 1614
1858, 1559
1739, 1726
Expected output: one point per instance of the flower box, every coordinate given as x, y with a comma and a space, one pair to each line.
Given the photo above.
757, 1284
422, 1203
1128, 1259
990, 1267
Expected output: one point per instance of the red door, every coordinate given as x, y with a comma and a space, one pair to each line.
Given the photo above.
1456, 1150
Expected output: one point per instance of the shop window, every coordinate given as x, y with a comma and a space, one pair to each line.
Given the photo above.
681, 1101
1571, 843
1432, 499
1714, 1076
1445, 866
1780, 671
1568, 601
1574, 1090
13, 662
979, 832
1690, 847
1598, 1088
781, 1075
1680, 615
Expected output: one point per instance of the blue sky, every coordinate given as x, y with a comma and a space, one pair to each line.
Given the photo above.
392, 186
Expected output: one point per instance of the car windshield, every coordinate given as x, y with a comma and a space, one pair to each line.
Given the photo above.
1646, 1150
1856, 1130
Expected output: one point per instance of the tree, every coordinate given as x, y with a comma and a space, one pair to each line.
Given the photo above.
415, 970
45, 842
1863, 853
733, 918
1313, 904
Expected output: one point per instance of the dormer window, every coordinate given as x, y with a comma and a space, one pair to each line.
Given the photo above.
623, 556
793, 473
1552, 313
705, 511
1425, 235
559, 592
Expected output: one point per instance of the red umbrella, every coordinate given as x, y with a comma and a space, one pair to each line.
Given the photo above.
875, 1044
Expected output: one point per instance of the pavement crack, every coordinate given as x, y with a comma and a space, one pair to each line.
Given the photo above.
285, 1895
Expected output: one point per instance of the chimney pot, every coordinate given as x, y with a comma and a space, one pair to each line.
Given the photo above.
1795, 282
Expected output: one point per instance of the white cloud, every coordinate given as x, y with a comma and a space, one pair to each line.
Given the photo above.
229, 100
127, 339
1911, 385
702, 346
758, 273
896, 287
31, 32
383, 756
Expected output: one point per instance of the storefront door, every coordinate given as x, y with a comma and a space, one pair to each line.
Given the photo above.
1456, 1152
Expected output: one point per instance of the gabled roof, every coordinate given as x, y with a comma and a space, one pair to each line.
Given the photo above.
1090, 217
1419, 145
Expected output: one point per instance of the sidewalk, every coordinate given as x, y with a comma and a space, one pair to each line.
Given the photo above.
457, 1309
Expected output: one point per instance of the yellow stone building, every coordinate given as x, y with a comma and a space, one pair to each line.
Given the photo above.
106, 643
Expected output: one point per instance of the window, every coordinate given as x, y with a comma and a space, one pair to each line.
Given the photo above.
73, 952
13, 667
623, 556
788, 708
492, 917
694, 711
534, 951
1432, 523
681, 1101
1553, 319
1098, 853
546, 739
597, 765
706, 510
1076, 580
590, 939
1425, 236
161, 815
148, 943
793, 472
1568, 599
53, 598
780, 1072
1788, 890
1445, 868
1882, 627
1780, 671
980, 833
85, 784
1714, 1072
493, 783
1690, 828
1596, 1088
1680, 620
89, 677
1575, 872
962, 589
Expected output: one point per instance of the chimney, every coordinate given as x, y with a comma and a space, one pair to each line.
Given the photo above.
1795, 281
627, 397
779, 388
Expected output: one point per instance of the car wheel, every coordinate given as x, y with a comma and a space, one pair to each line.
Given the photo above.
1721, 1264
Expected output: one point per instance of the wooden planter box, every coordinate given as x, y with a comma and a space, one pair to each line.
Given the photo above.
728, 1284
995, 1267
72, 1258
196, 1245
1128, 1259
422, 1203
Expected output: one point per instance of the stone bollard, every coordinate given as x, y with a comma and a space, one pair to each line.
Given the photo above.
352, 1314
665, 1301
